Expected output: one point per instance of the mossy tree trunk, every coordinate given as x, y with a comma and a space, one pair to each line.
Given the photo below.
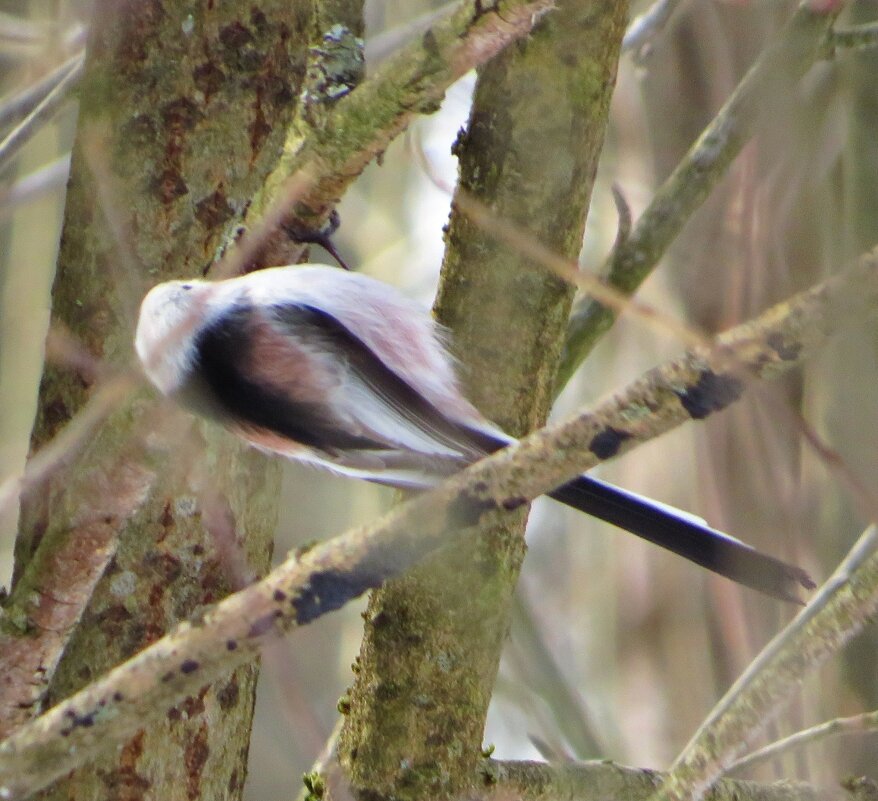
416, 712
184, 110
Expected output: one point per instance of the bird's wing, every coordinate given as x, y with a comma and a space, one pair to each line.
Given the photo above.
292, 379
252, 378
374, 398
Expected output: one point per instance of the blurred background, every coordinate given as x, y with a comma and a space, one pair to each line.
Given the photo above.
618, 650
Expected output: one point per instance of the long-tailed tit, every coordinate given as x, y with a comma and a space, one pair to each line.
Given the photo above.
341, 370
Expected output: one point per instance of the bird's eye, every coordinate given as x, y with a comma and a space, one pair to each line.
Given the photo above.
187, 287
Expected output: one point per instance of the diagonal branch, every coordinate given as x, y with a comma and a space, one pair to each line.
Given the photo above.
328, 576
598, 781
316, 171
780, 65
646, 27
845, 604
865, 723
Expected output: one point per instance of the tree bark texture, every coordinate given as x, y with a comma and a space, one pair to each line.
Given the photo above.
416, 711
184, 110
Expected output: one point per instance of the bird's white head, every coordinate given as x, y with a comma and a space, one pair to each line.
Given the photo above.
171, 315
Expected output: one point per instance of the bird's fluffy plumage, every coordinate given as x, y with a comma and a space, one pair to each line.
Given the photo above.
341, 370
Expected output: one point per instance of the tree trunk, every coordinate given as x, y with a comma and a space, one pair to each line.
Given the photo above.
184, 111
416, 712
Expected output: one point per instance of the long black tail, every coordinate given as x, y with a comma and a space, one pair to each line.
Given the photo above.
670, 528
692, 540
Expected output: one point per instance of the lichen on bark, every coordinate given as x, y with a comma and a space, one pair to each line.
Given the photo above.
183, 112
433, 638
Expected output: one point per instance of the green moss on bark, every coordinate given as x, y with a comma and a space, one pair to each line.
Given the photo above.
433, 639
184, 109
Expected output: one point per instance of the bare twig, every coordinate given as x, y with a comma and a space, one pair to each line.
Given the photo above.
846, 603
127, 268
53, 456
856, 724
565, 704
379, 48
328, 576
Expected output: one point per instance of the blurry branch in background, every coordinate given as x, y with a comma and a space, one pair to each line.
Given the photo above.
859, 37
389, 41
20, 38
35, 36
568, 270
53, 456
856, 724
40, 182
22, 103
64, 80
646, 26
843, 606
600, 781
782, 63
534, 659
18, 29
332, 573
125, 266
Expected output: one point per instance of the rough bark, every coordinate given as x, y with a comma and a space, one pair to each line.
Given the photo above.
416, 712
183, 113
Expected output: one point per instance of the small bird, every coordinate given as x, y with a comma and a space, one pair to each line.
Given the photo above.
340, 370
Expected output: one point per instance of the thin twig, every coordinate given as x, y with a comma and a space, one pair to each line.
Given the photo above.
381, 47
103, 402
564, 702
305, 587
856, 724
127, 268
843, 606
63, 349
42, 113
